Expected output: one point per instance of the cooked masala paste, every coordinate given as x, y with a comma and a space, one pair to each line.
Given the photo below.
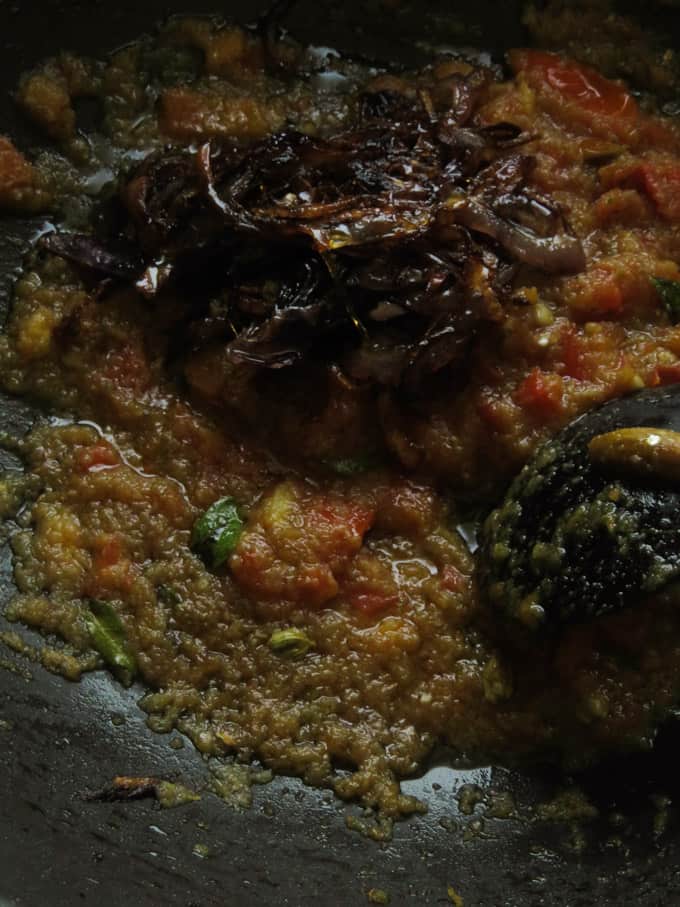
294, 330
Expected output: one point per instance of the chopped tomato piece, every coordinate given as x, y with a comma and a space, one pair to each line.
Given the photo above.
572, 354
541, 394
97, 456
372, 603
661, 183
667, 374
112, 570
622, 206
576, 82
606, 296
600, 294
370, 587
343, 516
602, 104
298, 543
657, 179
452, 579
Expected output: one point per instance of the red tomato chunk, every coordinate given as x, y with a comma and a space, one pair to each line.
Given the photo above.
298, 543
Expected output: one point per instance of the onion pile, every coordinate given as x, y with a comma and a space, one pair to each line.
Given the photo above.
382, 249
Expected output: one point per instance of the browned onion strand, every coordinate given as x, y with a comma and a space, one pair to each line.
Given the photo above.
85, 250
383, 248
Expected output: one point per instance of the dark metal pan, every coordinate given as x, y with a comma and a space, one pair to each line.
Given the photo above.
58, 739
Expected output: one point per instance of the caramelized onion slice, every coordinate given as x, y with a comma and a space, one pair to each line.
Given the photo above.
560, 253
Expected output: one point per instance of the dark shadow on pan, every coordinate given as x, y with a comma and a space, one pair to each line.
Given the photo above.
59, 739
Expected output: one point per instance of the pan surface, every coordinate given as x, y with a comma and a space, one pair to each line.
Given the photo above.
59, 740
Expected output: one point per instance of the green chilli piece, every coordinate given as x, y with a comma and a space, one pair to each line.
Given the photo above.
669, 291
217, 532
290, 643
107, 636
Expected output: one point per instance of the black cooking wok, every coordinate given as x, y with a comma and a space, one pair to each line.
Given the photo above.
59, 740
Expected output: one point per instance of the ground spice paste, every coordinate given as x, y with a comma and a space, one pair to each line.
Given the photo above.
274, 551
